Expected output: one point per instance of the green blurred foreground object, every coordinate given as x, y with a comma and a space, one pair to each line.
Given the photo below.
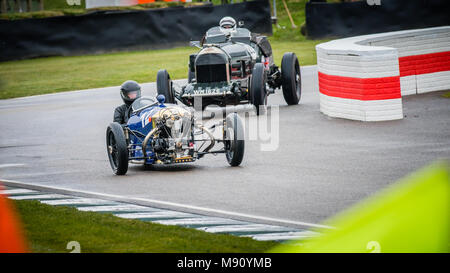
410, 216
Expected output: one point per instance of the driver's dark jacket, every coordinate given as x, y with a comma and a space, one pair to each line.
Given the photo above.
122, 113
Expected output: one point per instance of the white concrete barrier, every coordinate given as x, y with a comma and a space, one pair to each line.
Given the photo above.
364, 77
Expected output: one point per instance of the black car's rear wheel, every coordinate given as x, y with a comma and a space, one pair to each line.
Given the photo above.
164, 85
116, 146
258, 88
234, 140
291, 78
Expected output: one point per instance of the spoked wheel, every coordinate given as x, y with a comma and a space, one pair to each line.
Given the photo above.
116, 146
291, 78
258, 88
234, 140
164, 85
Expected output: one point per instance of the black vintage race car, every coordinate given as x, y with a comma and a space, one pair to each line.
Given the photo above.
234, 68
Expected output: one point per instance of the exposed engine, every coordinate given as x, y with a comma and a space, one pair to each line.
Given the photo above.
173, 139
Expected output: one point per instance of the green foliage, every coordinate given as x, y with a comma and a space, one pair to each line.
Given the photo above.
61, 8
29, 15
284, 31
62, 4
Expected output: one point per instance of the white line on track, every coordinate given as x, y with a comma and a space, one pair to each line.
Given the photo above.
155, 215
244, 228
77, 201
152, 202
38, 197
282, 236
118, 208
2, 166
17, 191
199, 221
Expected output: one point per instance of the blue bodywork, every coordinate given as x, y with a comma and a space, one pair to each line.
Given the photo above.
141, 123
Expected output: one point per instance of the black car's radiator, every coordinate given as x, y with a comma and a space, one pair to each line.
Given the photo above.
211, 73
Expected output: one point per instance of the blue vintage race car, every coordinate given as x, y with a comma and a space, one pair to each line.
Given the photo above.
159, 133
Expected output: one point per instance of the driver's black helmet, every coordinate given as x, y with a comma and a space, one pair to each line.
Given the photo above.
130, 91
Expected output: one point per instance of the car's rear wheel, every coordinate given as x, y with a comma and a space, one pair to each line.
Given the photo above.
234, 140
258, 94
291, 78
164, 85
116, 146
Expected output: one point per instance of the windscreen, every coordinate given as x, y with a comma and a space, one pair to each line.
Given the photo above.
142, 102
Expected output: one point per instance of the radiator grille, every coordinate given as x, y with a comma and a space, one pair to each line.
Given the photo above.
211, 73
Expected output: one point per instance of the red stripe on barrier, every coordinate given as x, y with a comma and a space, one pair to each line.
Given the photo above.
424, 64
360, 89
387, 87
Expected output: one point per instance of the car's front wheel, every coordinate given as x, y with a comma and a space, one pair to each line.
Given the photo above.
116, 146
291, 78
258, 94
234, 140
164, 85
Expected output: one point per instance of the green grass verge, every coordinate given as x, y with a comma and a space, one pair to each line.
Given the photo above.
56, 74
50, 228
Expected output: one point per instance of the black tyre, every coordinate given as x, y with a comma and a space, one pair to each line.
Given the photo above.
234, 140
291, 78
164, 85
258, 94
191, 76
116, 146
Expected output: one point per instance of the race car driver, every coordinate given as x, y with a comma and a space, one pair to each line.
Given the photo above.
129, 91
227, 25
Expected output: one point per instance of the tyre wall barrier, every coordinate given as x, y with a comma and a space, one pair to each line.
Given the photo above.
111, 31
365, 77
339, 20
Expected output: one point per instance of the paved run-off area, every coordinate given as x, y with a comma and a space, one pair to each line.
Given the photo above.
322, 165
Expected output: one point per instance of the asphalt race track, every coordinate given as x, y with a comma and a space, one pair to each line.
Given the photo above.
322, 165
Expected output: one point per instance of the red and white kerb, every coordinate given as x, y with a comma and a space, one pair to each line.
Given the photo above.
364, 77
